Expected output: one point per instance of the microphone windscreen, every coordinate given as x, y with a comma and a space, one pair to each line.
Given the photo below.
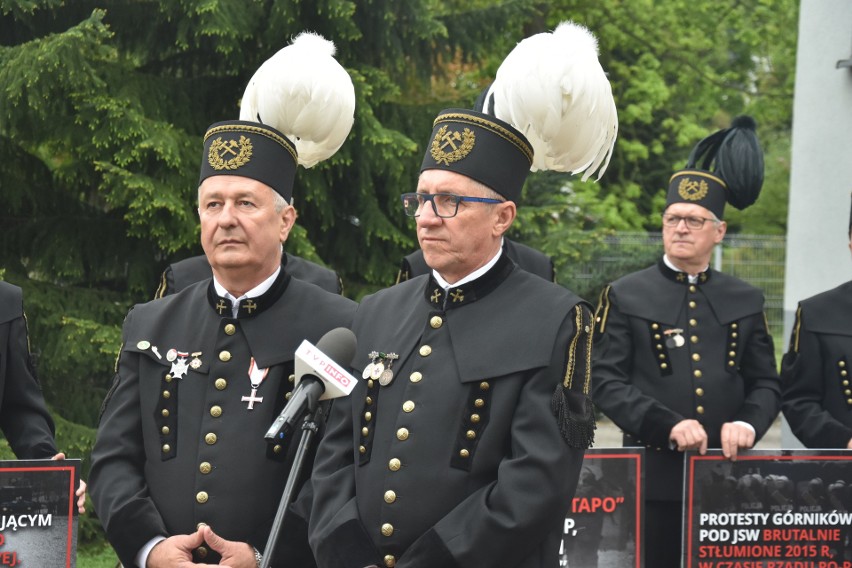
340, 345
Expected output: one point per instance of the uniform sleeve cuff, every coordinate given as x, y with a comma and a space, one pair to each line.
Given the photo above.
348, 546
428, 551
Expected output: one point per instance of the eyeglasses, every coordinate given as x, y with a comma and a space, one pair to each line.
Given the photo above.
445, 205
693, 223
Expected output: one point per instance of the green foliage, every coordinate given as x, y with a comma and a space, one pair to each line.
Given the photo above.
680, 70
102, 119
103, 104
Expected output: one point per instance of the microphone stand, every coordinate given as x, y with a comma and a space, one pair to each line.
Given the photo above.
309, 430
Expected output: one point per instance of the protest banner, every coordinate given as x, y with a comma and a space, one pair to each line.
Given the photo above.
603, 528
768, 509
38, 513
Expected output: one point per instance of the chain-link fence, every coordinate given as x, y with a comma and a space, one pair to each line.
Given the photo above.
757, 259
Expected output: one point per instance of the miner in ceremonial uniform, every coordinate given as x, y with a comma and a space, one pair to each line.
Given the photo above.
815, 372
24, 418
26, 423
181, 468
683, 357
462, 445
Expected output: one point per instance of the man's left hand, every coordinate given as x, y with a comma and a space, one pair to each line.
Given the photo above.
81, 490
734, 437
234, 554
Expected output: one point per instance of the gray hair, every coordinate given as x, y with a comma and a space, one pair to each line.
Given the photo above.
278, 200
488, 192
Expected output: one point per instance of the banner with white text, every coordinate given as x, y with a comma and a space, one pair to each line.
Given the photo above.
768, 509
38, 513
603, 528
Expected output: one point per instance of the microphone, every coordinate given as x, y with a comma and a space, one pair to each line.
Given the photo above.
318, 377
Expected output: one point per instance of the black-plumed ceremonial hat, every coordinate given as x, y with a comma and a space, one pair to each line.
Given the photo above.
725, 167
252, 150
480, 147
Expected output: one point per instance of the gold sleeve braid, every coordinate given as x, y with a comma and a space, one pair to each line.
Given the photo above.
570, 366
572, 406
584, 339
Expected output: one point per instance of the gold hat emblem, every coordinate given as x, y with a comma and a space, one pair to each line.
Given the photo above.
459, 144
692, 189
230, 154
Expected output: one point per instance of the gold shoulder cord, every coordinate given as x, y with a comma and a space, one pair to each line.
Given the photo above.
602, 312
117, 357
161, 289
27, 332
794, 342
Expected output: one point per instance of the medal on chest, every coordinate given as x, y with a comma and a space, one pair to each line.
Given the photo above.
178, 361
380, 367
256, 377
674, 338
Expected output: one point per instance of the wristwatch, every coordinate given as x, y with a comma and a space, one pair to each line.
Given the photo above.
258, 557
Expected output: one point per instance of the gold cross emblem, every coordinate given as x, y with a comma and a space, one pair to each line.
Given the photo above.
457, 295
221, 307
680, 276
436, 296
249, 306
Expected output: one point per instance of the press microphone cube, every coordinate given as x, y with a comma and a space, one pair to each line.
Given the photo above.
310, 360
319, 376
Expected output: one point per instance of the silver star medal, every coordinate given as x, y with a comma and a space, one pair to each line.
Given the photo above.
179, 365
674, 338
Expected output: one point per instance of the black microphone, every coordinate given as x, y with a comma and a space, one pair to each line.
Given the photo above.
318, 377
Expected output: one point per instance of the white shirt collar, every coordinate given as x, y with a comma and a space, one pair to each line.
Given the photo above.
258, 290
693, 278
473, 275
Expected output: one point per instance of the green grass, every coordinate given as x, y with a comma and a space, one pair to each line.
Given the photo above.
96, 556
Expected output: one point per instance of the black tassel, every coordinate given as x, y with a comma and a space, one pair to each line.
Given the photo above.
576, 426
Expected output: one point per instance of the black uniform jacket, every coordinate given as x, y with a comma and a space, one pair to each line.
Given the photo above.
181, 274
23, 413
817, 396
460, 459
525, 257
667, 350
178, 442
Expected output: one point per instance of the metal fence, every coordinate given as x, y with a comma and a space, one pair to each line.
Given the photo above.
757, 259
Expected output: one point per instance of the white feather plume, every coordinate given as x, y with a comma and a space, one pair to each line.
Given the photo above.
306, 94
552, 88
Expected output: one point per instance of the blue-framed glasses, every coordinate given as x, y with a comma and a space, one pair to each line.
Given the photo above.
445, 205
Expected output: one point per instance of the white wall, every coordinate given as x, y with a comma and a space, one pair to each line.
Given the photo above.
818, 257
